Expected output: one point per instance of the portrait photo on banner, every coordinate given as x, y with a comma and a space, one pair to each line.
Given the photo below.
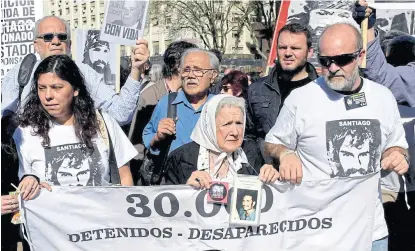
98, 54
246, 202
317, 15
124, 21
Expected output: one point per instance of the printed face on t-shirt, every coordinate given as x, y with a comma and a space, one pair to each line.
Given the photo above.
354, 156
73, 172
353, 146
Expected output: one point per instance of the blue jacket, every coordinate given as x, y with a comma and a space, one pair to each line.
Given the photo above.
400, 80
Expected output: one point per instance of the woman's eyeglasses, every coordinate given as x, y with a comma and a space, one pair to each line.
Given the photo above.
48, 37
339, 60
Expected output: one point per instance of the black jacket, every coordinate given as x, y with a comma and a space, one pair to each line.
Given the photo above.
183, 161
264, 100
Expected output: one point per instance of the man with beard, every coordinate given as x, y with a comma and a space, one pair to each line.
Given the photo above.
316, 115
96, 55
266, 96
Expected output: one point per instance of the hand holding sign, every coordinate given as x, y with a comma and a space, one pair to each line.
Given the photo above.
139, 58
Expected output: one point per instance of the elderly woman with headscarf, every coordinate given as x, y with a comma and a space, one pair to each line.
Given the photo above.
216, 153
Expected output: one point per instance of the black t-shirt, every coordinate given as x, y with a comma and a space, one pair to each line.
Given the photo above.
287, 86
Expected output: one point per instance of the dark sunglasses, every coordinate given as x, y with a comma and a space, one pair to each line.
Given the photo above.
339, 60
48, 37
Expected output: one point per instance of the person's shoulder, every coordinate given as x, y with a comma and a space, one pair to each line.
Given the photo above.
308, 89
258, 84
23, 132
377, 89
186, 149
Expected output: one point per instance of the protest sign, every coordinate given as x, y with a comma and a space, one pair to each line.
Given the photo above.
317, 15
102, 56
124, 21
333, 214
17, 22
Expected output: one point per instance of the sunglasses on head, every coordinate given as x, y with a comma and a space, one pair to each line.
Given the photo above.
48, 37
339, 60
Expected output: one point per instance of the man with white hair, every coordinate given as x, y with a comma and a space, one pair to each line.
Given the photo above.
53, 37
340, 125
198, 70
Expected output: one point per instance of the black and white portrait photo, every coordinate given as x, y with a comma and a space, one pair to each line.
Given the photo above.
98, 54
317, 15
353, 147
132, 14
124, 21
73, 165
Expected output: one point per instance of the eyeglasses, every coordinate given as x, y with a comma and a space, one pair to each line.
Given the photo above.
197, 72
339, 60
48, 37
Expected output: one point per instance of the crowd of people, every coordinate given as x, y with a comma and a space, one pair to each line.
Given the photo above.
62, 125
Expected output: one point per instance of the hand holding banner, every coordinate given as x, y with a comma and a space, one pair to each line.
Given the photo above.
332, 214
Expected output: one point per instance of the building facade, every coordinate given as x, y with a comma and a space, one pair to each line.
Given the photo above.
89, 14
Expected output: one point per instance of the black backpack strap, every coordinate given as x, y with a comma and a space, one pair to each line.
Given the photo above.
25, 71
172, 109
114, 173
164, 151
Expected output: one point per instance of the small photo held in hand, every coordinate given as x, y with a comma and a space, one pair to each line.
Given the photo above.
218, 193
246, 202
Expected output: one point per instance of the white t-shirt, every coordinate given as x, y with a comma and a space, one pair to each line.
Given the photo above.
332, 141
67, 162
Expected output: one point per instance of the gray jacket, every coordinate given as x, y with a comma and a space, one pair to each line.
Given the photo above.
400, 80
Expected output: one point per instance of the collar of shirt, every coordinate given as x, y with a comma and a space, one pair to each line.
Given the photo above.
181, 98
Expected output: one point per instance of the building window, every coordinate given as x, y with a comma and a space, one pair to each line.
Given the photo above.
101, 5
167, 43
60, 12
84, 20
75, 23
168, 20
52, 12
101, 18
93, 19
218, 16
67, 11
156, 48
75, 9
239, 48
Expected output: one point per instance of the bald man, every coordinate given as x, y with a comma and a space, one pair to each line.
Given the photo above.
340, 125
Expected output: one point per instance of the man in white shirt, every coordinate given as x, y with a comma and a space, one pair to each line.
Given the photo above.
340, 125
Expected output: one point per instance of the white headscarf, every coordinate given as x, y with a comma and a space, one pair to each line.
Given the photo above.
204, 134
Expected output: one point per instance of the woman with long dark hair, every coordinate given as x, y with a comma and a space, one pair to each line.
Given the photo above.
61, 138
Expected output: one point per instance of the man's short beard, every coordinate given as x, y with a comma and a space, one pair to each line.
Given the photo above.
347, 84
296, 70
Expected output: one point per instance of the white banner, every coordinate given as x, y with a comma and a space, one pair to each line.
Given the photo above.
17, 22
333, 214
124, 21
